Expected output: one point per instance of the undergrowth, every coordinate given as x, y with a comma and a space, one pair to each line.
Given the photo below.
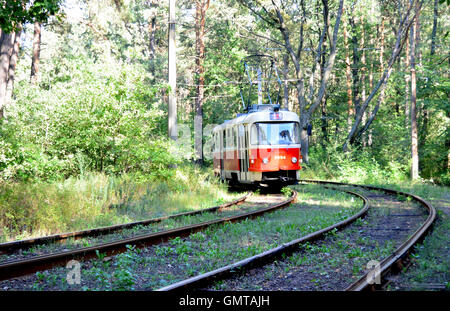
95, 199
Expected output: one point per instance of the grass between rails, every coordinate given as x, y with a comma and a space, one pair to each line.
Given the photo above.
157, 266
334, 262
95, 200
431, 258
430, 262
165, 224
314, 266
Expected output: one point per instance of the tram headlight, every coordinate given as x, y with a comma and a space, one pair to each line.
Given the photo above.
265, 160
294, 160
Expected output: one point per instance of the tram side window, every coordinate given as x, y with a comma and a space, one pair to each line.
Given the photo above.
233, 136
217, 142
224, 139
227, 143
231, 133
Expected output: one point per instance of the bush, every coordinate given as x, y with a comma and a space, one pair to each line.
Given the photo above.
105, 119
355, 166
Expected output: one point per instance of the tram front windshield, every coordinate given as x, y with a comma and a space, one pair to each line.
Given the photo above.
280, 133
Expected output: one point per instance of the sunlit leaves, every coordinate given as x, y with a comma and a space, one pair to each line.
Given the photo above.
15, 12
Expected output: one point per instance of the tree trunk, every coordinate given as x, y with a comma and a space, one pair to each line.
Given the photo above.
36, 53
433, 32
152, 41
200, 18
12, 65
407, 86
414, 139
348, 75
152, 30
425, 115
363, 76
286, 82
381, 96
6, 50
355, 66
172, 120
369, 136
324, 122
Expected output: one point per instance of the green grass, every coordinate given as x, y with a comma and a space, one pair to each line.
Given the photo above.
221, 245
431, 257
214, 247
94, 200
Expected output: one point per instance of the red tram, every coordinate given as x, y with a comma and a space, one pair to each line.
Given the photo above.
260, 147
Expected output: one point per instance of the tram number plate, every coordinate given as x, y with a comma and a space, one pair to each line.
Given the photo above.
276, 116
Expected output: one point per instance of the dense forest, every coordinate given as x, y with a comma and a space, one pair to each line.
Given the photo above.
84, 84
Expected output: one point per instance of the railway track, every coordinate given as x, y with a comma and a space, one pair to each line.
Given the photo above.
368, 280
8, 247
24, 266
373, 194
395, 261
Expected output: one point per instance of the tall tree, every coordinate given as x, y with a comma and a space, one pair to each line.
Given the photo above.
433, 32
363, 75
407, 84
12, 16
414, 133
402, 29
6, 50
35, 58
152, 33
275, 16
12, 64
355, 66
200, 18
172, 124
348, 70
285, 82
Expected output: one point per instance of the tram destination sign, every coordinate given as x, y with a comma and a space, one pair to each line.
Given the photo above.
276, 116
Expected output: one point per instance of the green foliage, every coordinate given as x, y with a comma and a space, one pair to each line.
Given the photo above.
356, 166
286, 191
123, 278
93, 200
14, 12
104, 120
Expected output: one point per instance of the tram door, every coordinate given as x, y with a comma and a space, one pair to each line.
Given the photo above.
243, 153
222, 153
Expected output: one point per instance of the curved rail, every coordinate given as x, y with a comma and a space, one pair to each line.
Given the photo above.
367, 280
22, 267
10, 246
267, 256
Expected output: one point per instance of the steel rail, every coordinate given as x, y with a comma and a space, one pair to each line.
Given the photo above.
23, 267
267, 256
10, 246
366, 282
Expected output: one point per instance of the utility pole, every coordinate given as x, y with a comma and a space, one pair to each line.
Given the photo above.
173, 133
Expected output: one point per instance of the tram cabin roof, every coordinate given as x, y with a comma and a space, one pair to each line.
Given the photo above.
260, 113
